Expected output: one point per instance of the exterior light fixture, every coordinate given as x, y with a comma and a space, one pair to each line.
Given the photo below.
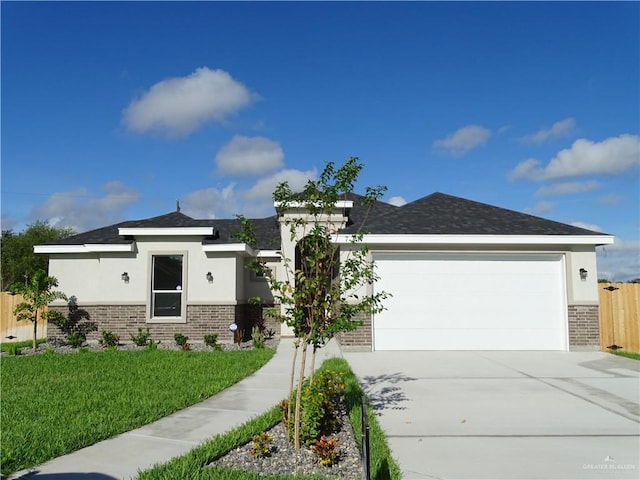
237, 333
583, 274
125, 277
209, 277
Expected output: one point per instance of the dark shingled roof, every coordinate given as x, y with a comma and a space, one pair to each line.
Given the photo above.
267, 231
437, 213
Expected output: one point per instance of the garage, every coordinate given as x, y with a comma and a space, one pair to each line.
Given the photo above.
471, 301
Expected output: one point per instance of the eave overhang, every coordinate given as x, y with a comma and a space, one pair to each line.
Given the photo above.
240, 248
86, 248
169, 231
379, 239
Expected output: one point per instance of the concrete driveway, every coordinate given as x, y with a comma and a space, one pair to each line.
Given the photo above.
506, 415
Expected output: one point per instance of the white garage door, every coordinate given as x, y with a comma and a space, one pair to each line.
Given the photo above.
471, 302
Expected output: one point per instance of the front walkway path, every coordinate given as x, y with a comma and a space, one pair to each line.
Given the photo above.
123, 456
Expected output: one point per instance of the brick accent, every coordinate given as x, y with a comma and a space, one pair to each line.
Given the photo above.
584, 327
124, 320
359, 339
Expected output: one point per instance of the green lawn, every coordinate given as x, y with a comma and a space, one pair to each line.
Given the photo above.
193, 465
634, 355
6, 346
53, 404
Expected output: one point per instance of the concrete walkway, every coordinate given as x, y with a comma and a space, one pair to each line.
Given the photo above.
123, 456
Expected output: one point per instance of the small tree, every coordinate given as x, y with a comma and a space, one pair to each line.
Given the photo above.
321, 293
37, 293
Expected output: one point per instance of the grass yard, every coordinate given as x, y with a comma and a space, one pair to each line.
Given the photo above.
193, 465
8, 346
633, 355
53, 404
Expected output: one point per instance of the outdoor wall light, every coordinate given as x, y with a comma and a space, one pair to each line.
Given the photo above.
209, 277
125, 277
583, 274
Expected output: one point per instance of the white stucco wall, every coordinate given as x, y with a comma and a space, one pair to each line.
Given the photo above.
96, 278
582, 292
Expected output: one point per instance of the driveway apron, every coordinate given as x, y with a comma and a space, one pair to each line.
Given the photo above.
506, 415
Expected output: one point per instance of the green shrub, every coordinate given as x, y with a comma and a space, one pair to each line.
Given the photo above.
261, 445
142, 338
13, 349
75, 339
320, 402
151, 345
180, 339
327, 451
211, 340
109, 339
257, 337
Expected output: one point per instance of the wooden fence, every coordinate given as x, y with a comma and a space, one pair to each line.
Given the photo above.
620, 315
12, 330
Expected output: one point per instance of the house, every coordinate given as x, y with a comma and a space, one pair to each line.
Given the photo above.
464, 276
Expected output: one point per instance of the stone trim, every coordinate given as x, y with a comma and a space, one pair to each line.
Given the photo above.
124, 320
360, 339
584, 327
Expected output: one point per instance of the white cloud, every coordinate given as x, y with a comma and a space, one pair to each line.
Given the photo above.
562, 128
620, 261
211, 203
524, 169
611, 199
249, 156
588, 226
178, 106
463, 140
83, 211
541, 207
609, 157
397, 201
264, 188
567, 188
256, 201
7, 222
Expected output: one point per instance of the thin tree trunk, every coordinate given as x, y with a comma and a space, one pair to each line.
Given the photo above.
35, 329
313, 363
293, 373
296, 420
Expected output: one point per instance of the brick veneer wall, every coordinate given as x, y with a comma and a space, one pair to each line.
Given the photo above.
360, 339
584, 331
584, 327
124, 320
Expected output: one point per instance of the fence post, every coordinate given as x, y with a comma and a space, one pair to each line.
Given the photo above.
366, 474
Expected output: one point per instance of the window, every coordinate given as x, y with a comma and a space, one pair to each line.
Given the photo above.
167, 286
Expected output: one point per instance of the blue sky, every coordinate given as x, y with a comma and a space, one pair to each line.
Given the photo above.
115, 110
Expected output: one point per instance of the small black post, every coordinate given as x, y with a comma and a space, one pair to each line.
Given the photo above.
366, 474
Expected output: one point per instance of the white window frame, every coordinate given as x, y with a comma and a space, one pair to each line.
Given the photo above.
182, 318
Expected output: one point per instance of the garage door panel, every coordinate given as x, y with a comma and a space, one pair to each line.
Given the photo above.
479, 301
439, 339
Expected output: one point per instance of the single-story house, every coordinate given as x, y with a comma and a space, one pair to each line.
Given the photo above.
463, 276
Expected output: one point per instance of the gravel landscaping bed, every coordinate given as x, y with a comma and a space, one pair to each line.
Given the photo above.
285, 459
60, 346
